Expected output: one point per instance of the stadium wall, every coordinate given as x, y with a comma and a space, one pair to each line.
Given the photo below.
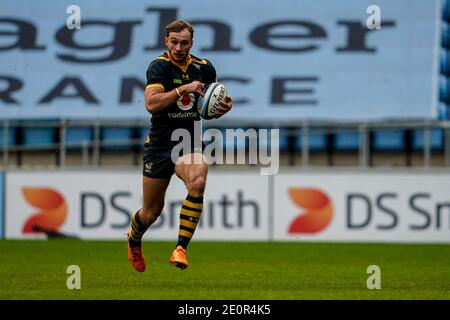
294, 205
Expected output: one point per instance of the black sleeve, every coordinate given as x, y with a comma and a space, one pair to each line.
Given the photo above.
209, 73
156, 74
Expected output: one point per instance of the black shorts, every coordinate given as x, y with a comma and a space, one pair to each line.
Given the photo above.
158, 162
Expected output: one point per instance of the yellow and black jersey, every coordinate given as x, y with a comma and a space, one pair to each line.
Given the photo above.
167, 74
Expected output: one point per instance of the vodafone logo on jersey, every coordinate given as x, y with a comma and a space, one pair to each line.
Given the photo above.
317, 210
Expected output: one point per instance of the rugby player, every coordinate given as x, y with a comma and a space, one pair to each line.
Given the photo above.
175, 80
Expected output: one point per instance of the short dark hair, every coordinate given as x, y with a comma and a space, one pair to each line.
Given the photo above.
179, 25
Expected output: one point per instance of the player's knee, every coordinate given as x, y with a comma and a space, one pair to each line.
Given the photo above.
197, 185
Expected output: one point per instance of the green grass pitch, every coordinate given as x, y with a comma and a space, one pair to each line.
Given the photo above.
224, 271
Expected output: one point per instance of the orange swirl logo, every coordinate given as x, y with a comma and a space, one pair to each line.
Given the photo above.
318, 213
52, 210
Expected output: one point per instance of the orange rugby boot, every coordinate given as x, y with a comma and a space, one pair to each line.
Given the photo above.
178, 258
136, 256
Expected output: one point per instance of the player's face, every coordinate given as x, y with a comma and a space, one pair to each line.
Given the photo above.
179, 44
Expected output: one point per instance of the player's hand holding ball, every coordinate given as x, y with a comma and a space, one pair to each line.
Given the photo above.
195, 87
224, 106
215, 102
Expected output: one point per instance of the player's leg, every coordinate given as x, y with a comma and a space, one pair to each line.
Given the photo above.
192, 169
154, 191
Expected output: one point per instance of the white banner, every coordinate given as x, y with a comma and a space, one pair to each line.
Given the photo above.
91, 205
349, 206
323, 206
280, 60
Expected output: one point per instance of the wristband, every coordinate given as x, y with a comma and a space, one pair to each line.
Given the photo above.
178, 93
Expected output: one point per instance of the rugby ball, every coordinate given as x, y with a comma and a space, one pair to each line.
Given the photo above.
207, 105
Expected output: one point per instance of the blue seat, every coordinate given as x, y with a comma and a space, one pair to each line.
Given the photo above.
445, 35
436, 139
283, 142
389, 140
284, 139
143, 133
244, 144
207, 136
237, 144
443, 111
347, 141
116, 138
317, 140
446, 10
76, 136
444, 56
11, 140
44, 137
444, 89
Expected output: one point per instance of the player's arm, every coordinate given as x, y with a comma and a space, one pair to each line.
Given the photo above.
157, 100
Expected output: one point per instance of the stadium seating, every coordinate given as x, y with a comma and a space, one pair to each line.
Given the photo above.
240, 144
40, 144
284, 139
444, 89
445, 7
237, 143
443, 111
116, 138
283, 135
389, 140
445, 35
143, 133
76, 136
436, 139
43, 137
316, 140
11, 139
346, 141
445, 62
